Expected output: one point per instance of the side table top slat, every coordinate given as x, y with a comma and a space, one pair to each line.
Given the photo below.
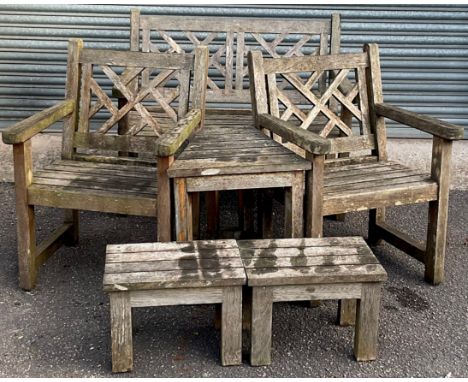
197, 264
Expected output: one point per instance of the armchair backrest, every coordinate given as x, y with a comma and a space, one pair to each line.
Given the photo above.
94, 125
229, 40
343, 112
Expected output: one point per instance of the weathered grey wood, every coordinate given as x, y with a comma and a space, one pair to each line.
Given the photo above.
26, 222
27, 128
438, 211
231, 326
178, 296
234, 182
367, 323
375, 92
183, 217
316, 292
294, 207
164, 199
401, 240
262, 306
424, 123
315, 204
346, 241
144, 59
121, 332
305, 139
303, 64
71, 93
135, 29
347, 312
257, 85
95, 200
200, 80
196, 246
380, 196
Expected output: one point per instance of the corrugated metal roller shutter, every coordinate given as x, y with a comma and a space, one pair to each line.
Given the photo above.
423, 48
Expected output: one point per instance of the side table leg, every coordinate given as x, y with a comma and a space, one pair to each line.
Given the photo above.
231, 326
121, 332
346, 312
260, 344
367, 323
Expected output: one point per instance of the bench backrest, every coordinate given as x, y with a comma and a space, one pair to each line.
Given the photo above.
343, 113
97, 116
229, 40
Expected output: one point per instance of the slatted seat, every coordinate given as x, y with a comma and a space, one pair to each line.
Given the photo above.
318, 269
102, 187
105, 167
374, 184
160, 274
363, 177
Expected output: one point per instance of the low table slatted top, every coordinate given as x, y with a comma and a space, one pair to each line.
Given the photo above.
309, 261
230, 144
207, 263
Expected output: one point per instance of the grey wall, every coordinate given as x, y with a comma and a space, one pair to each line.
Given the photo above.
424, 49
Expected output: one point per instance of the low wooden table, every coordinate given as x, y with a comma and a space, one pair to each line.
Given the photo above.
229, 154
312, 269
158, 274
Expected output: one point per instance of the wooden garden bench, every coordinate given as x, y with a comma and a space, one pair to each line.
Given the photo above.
90, 174
366, 180
306, 269
162, 274
228, 95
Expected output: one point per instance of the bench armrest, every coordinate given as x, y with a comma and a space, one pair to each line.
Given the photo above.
27, 128
311, 142
171, 140
421, 122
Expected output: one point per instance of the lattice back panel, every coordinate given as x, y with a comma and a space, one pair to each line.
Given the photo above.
150, 109
276, 45
340, 110
229, 40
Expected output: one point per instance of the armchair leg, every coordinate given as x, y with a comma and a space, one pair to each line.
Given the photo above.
26, 221
376, 216
438, 212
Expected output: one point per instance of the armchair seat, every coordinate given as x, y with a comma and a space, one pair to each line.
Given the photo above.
101, 187
364, 186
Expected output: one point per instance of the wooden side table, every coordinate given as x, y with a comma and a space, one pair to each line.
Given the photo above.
157, 274
312, 269
236, 157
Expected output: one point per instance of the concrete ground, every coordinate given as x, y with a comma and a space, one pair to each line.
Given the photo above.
61, 329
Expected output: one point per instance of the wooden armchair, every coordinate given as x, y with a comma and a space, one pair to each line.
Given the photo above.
366, 179
92, 173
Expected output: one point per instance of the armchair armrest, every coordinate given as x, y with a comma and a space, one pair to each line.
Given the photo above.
27, 128
305, 139
170, 141
421, 122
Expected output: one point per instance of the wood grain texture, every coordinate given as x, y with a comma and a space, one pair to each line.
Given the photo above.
260, 346
27, 128
424, 123
164, 199
231, 326
346, 312
26, 221
367, 323
438, 211
121, 332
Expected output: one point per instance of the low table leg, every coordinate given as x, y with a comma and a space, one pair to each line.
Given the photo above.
367, 323
121, 332
231, 326
260, 344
